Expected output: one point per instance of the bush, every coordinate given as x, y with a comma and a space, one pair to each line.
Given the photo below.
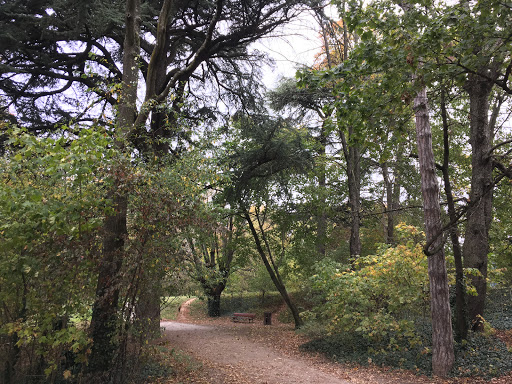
378, 296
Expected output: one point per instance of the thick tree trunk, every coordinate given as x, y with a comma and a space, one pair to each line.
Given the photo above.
148, 304
461, 328
476, 238
214, 302
148, 308
105, 308
442, 337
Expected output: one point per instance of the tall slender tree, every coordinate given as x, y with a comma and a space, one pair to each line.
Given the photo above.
443, 355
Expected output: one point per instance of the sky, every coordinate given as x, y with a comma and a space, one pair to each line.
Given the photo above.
293, 46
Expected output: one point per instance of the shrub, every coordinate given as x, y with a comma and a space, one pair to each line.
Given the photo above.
378, 296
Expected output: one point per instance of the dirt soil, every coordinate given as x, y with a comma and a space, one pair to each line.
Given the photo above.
228, 352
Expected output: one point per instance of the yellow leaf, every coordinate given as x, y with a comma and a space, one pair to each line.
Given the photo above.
67, 374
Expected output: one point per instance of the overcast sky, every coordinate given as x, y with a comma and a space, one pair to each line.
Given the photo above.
296, 45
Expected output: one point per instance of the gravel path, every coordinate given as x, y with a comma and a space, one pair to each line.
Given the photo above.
252, 362
253, 353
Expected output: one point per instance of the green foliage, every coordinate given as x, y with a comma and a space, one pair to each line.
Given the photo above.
499, 308
51, 206
379, 295
482, 355
53, 200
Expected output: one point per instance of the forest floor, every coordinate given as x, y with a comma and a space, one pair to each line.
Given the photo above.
218, 351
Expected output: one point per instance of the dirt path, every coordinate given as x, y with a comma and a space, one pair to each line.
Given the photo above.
252, 361
184, 310
258, 354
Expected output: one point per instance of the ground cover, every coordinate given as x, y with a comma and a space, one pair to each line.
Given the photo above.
198, 355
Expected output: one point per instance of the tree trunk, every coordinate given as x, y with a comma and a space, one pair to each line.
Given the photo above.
461, 328
354, 188
105, 308
274, 273
352, 154
442, 337
476, 243
214, 303
148, 308
390, 222
321, 219
148, 303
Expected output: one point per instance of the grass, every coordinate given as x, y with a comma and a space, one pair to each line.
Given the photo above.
169, 310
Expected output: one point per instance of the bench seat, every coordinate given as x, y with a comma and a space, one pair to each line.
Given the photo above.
243, 317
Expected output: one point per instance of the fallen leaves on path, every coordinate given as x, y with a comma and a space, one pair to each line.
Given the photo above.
283, 339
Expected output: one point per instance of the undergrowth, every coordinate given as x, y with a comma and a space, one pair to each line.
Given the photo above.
481, 355
162, 362
252, 302
499, 308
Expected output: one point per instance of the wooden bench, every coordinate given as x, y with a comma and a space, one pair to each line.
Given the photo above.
243, 317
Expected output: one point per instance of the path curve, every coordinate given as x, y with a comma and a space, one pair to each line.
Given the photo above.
184, 309
256, 363
244, 353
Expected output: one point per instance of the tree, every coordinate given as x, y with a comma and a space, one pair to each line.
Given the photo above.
462, 44
485, 66
188, 49
105, 308
176, 46
212, 259
260, 158
442, 339
443, 355
307, 106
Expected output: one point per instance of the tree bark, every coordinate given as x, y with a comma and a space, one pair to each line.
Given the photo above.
148, 307
214, 301
354, 190
476, 243
273, 273
105, 308
390, 223
321, 218
442, 337
461, 328
352, 154
157, 146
